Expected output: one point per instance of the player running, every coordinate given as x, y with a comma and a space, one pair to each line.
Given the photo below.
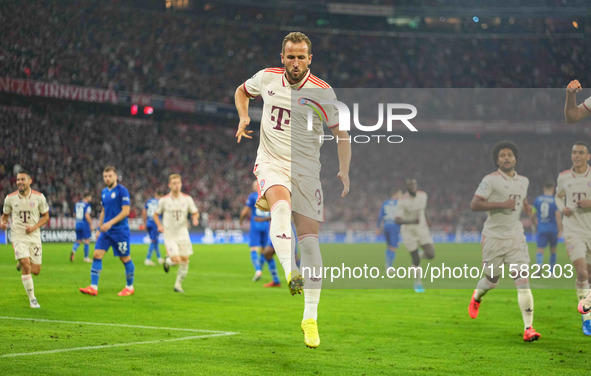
411, 214
503, 195
573, 199
548, 222
28, 212
391, 229
175, 207
151, 228
291, 185
82, 210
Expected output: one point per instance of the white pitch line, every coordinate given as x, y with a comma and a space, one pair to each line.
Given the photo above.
213, 333
111, 324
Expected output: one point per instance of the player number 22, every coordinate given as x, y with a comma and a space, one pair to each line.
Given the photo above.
122, 247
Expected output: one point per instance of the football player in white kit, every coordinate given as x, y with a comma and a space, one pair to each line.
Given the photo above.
291, 186
29, 212
503, 195
572, 112
175, 208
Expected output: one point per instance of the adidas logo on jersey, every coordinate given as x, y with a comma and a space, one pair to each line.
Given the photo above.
283, 236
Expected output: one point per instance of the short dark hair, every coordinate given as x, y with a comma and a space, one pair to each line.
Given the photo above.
504, 145
110, 168
160, 192
582, 144
24, 172
549, 185
86, 194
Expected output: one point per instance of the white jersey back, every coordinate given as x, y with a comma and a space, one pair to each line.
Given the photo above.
500, 187
285, 139
174, 213
25, 211
587, 104
409, 208
576, 187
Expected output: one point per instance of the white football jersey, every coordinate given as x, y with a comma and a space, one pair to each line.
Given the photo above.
25, 211
575, 187
174, 213
500, 187
409, 208
587, 104
285, 138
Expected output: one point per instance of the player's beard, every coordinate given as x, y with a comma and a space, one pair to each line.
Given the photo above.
298, 78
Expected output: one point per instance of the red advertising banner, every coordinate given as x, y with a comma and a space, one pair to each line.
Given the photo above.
56, 90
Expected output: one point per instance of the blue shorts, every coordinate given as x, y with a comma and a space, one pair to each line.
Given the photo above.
392, 234
547, 237
82, 231
118, 239
258, 238
152, 230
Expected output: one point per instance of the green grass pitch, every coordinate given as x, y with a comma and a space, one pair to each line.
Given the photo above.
379, 331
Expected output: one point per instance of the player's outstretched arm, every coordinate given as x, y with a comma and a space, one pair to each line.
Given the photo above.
344, 152
241, 102
4, 222
572, 112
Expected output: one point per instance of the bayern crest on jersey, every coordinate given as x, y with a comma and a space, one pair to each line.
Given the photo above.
262, 184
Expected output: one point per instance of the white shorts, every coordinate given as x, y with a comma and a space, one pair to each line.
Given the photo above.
307, 198
176, 247
415, 236
31, 250
496, 252
577, 248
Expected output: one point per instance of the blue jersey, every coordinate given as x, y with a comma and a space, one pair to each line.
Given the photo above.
257, 213
545, 208
81, 209
113, 202
388, 213
151, 206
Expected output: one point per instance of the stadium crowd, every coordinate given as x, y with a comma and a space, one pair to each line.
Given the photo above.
66, 152
105, 44
202, 56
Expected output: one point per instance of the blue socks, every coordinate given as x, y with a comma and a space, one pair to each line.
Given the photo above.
390, 256
86, 249
539, 258
254, 257
552, 260
129, 271
273, 270
153, 248
95, 271
75, 247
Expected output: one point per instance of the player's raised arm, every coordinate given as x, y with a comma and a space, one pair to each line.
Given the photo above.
241, 101
572, 112
344, 153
